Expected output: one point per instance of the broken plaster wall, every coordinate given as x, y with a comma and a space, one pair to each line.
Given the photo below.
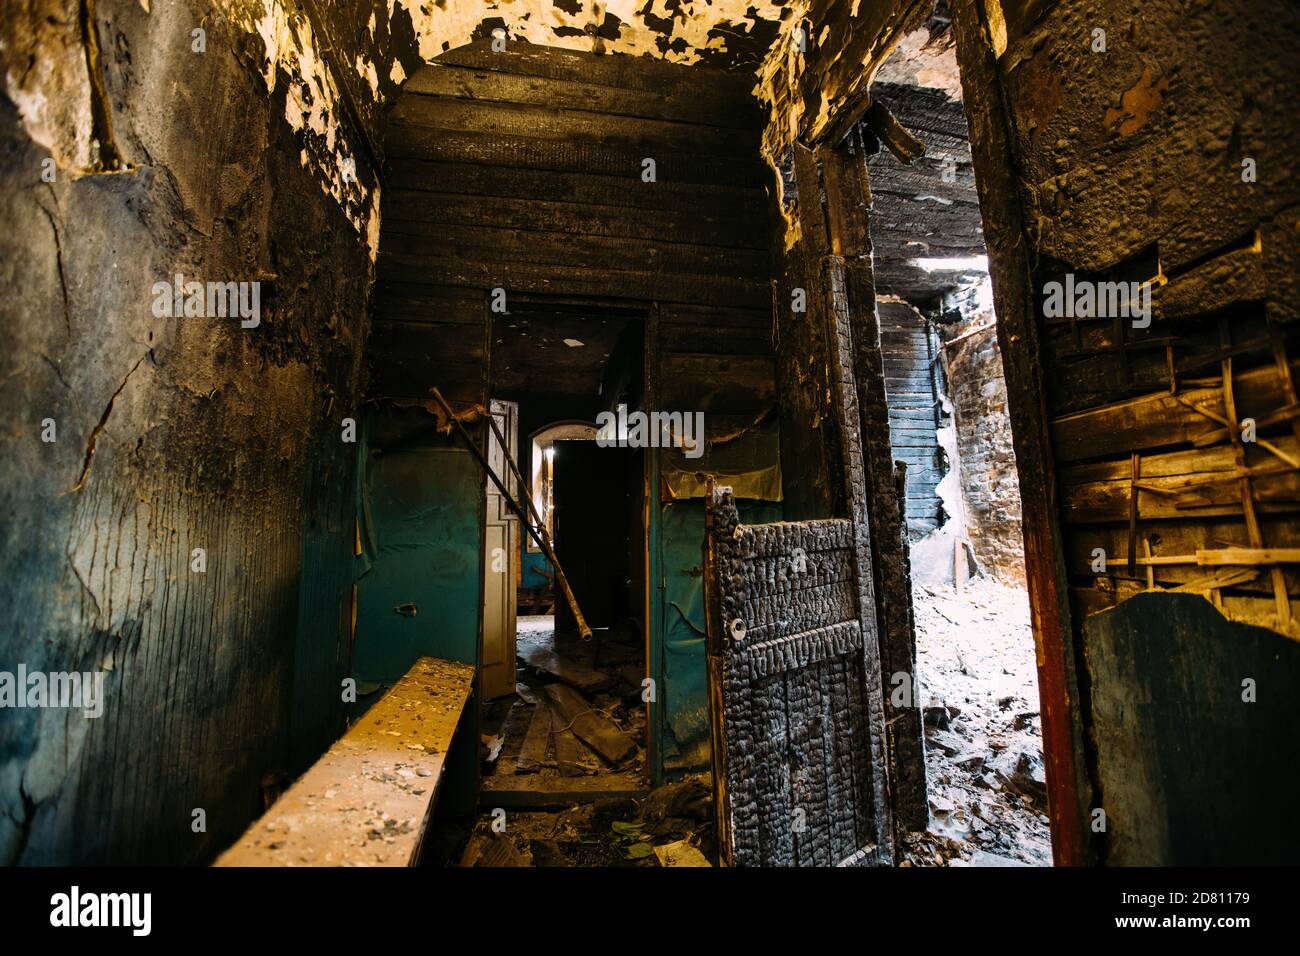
169, 434
990, 489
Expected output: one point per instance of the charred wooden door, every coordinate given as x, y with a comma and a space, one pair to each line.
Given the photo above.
797, 760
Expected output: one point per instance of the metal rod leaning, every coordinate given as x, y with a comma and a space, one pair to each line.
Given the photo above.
539, 531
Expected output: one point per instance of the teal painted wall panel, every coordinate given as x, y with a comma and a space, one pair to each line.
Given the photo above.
423, 538
421, 507
684, 684
324, 597
534, 561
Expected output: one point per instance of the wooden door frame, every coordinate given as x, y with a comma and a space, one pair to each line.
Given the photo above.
1010, 252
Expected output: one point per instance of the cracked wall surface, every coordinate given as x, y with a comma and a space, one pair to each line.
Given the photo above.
171, 433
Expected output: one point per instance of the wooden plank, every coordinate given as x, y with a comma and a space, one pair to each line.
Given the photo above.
703, 227
494, 243
540, 791
718, 384
532, 753
591, 728
688, 102
1162, 419
651, 137
1098, 502
568, 752
678, 314
433, 340
1200, 461
715, 341
570, 280
726, 200
1248, 556
1177, 537
429, 303
381, 777
618, 70
612, 159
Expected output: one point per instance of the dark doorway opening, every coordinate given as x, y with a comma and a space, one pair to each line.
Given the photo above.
572, 727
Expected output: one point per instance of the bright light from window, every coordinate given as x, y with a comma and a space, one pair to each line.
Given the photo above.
967, 264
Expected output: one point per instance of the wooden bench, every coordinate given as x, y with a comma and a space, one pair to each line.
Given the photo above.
368, 800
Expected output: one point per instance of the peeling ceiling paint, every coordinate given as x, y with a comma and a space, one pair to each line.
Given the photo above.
716, 32
313, 106
682, 31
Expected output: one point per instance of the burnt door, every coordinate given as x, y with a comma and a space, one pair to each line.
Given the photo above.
591, 504
794, 694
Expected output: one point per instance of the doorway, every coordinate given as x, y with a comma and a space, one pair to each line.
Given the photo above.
569, 727
949, 426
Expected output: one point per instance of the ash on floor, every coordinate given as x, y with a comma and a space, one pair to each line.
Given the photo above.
978, 684
574, 713
671, 826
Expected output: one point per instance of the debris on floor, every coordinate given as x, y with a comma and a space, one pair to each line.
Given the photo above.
978, 688
681, 853
670, 826
567, 717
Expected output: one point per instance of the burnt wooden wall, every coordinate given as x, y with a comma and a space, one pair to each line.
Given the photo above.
909, 346
836, 458
523, 170
1127, 166
927, 208
173, 434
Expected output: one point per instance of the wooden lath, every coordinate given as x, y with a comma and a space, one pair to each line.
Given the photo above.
1230, 566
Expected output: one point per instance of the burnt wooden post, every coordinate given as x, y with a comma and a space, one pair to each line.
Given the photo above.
714, 629
1010, 264
848, 208
826, 227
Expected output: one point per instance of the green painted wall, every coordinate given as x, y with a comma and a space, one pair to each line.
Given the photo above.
684, 714
422, 537
421, 504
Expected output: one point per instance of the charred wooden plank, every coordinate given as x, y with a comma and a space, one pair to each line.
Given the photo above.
726, 200
574, 280
493, 243
421, 212
591, 728
537, 738
688, 102
658, 137
1162, 419
529, 152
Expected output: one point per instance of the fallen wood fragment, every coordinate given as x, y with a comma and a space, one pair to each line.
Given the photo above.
591, 728
533, 752
568, 753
